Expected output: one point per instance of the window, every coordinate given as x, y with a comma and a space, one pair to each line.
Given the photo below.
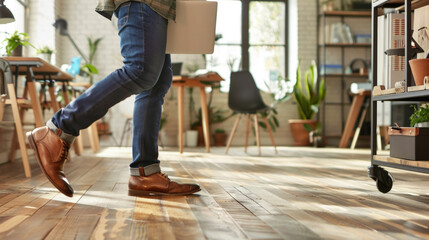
18, 12
267, 42
253, 36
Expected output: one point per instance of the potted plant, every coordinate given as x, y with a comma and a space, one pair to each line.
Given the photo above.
216, 115
88, 69
315, 135
280, 92
45, 53
420, 117
219, 137
327, 5
308, 93
15, 42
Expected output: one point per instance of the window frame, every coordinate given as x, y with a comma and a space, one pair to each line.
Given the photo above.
245, 45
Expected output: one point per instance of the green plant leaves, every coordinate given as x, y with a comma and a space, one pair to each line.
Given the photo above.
15, 40
420, 115
308, 92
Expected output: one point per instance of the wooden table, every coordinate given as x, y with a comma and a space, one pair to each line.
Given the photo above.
355, 109
201, 81
34, 69
37, 69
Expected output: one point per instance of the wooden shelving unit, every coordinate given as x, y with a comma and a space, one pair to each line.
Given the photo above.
325, 49
383, 178
339, 75
348, 45
347, 13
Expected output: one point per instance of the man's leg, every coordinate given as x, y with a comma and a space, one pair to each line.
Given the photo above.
147, 118
140, 28
146, 177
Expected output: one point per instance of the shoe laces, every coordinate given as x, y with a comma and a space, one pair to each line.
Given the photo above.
165, 176
64, 150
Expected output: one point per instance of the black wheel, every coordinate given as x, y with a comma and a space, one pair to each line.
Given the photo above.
384, 181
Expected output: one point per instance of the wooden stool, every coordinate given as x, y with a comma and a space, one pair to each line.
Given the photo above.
17, 105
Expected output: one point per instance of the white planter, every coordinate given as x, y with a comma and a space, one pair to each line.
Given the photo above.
191, 138
45, 56
422, 124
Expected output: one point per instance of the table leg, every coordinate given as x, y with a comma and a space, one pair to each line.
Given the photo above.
351, 119
181, 113
54, 103
77, 144
205, 113
35, 103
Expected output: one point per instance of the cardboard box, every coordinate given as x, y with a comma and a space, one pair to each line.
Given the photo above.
194, 30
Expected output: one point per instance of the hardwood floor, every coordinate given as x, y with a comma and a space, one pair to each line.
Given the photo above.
300, 193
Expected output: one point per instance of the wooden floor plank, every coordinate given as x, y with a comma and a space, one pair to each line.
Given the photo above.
299, 193
182, 220
74, 227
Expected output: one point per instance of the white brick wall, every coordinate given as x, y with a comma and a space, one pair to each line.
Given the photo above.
90, 23
83, 21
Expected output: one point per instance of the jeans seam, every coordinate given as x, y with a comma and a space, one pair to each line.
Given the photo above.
126, 16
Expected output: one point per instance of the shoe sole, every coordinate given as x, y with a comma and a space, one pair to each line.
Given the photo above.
136, 193
33, 145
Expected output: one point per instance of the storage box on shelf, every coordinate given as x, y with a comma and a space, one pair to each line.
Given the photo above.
409, 143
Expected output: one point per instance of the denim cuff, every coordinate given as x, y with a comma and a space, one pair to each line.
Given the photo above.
148, 170
68, 138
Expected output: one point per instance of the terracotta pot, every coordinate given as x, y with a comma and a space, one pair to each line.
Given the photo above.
201, 141
299, 133
219, 139
103, 128
420, 69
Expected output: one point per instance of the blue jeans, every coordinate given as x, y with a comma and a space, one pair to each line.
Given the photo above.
146, 72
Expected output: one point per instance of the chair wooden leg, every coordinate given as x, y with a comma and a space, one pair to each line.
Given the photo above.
258, 141
2, 104
19, 130
53, 97
93, 137
15, 144
78, 145
246, 139
270, 133
234, 128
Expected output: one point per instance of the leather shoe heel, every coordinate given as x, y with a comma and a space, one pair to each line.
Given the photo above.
51, 153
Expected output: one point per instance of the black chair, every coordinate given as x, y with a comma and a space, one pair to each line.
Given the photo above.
245, 99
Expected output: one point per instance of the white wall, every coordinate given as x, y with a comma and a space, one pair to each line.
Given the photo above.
83, 21
89, 23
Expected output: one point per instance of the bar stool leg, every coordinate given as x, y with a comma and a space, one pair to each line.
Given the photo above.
246, 139
19, 130
258, 141
234, 128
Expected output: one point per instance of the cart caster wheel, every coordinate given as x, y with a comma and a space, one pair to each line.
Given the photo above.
384, 182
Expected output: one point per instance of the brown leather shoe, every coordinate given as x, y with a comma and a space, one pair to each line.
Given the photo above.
158, 184
51, 153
